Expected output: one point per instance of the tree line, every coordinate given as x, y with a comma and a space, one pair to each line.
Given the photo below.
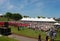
14, 16
18, 16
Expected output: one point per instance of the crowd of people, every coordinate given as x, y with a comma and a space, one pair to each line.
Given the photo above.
50, 35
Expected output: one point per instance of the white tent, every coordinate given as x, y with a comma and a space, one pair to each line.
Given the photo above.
57, 24
38, 19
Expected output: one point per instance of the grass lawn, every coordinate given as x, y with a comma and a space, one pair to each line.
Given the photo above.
33, 33
4, 38
3, 19
58, 34
28, 32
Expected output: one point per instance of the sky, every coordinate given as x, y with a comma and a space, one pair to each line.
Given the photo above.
32, 8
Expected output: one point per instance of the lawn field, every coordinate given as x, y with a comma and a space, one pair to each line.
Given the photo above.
33, 33
28, 32
3, 19
58, 34
5, 38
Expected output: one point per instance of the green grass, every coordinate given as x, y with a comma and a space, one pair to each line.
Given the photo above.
28, 32
3, 19
33, 33
58, 34
4, 38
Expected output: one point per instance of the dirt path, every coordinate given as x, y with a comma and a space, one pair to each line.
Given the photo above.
21, 38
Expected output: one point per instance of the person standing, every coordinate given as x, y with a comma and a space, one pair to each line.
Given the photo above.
47, 38
52, 35
39, 37
18, 28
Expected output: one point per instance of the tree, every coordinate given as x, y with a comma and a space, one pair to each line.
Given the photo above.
25, 16
8, 15
40, 17
16, 16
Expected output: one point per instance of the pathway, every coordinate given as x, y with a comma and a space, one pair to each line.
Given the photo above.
21, 38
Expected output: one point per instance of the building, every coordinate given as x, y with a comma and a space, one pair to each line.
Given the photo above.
1, 15
39, 23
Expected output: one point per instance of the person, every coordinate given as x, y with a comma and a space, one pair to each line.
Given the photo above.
52, 34
18, 28
47, 33
47, 38
39, 37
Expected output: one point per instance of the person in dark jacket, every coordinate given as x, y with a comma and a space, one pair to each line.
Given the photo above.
18, 28
47, 38
39, 37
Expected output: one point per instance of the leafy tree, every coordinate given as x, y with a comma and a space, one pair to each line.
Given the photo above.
16, 16
8, 15
40, 17
25, 16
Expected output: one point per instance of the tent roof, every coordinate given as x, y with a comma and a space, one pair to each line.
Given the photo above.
38, 19
57, 24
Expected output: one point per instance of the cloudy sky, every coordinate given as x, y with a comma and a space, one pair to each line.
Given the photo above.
32, 8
